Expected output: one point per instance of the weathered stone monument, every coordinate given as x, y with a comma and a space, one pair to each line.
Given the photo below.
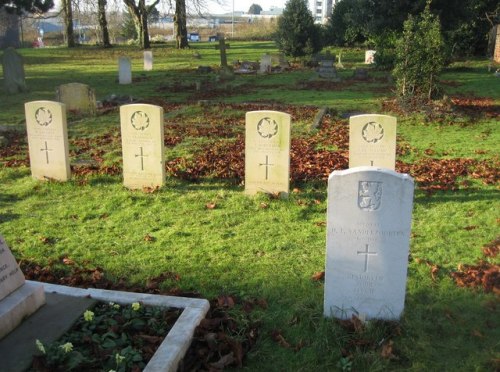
48, 140
326, 69
222, 48
18, 299
367, 244
148, 60
370, 56
124, 70
372, 141
77, 97
13, 72
267, 152
226, 72
142, 146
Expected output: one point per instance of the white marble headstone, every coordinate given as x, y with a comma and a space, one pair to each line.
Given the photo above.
142, 146
370, 56
124, 70
48, 140
267, 152
148, 60
368, 235
18, 299
372, 141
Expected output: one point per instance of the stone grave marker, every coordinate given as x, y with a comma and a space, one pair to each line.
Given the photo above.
77, 97
368, 234
372, 141
48, 140
265, 64
222, 48
267, 152
148, 60
370, 56
18, 299
326, 69
142, 146
13, 72
124, 70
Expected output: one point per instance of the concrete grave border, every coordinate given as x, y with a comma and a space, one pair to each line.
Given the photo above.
178, 339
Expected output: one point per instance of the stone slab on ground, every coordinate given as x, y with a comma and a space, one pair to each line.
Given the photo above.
48, 324
178, 339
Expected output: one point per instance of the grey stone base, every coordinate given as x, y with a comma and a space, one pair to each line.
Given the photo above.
20, 304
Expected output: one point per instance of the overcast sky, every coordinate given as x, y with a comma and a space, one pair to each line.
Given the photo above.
243, 5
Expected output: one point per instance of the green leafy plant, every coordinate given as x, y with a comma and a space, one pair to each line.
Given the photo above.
108, 337
297, 35
419, 58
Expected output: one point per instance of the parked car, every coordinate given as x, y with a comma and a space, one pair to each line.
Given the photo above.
193, 36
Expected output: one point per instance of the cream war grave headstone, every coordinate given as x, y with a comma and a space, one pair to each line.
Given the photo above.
142, 146
18, 299
372, 141
367, 244
267, 152
48, 140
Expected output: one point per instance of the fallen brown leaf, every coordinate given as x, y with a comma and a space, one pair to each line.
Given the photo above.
320, 275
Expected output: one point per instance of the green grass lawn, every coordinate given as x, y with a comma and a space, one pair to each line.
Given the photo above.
261, 247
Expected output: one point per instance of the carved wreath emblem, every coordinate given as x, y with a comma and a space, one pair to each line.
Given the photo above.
372, 132
43, 116
140, 120
267, 128
369, 195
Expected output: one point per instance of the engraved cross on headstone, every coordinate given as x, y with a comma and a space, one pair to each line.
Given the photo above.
267, 164
366, 253
142, 156
46, 149
222, 47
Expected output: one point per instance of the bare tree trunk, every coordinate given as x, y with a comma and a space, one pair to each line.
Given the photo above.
103, 23
139, 13
68, 23
180, 24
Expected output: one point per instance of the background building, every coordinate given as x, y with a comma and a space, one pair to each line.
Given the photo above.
322, 9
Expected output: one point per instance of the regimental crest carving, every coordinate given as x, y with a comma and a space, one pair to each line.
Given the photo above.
140, 120
372, 132
43, 116
369, 195
267, 128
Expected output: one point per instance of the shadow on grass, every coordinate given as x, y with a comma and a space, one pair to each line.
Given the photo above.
450, 328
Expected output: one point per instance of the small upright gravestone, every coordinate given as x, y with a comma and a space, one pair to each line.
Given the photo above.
367, 244
142, 146
124, 70
370, 57
372, 141
77, 97
13, 72
148, 60
265, 64
48, 140
267, 152
18, 299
